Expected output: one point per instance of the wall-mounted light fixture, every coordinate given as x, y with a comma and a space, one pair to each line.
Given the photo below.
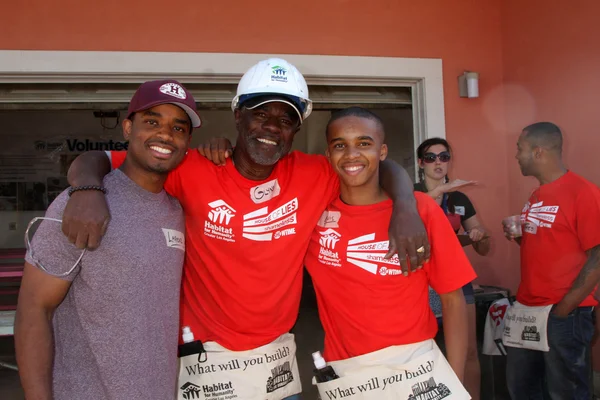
468, 84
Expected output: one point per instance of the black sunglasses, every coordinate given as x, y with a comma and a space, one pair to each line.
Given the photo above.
429, 158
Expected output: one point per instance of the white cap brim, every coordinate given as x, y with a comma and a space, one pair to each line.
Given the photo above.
194, 117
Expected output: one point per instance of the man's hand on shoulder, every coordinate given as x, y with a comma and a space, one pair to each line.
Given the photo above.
217, 150
86, 218
408, 237
86, 214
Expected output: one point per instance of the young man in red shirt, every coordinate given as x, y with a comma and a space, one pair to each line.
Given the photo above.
248, 225
373, 316
560, 267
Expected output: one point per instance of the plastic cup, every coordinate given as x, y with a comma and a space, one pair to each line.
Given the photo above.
513, 225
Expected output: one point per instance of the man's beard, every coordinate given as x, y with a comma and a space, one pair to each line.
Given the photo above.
159, 169
257, 154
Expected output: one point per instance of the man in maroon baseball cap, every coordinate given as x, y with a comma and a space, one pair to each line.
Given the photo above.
156, 118
168, 91
125, 346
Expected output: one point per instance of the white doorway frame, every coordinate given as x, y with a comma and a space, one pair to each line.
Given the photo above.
422, 75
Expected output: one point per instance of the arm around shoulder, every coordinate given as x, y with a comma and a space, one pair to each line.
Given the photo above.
396, 182
407, 233
86, 215
89, 169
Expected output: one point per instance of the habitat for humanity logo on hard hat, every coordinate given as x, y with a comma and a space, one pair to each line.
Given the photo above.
278, 73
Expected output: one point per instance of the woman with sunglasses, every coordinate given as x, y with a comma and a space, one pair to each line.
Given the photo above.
434, 157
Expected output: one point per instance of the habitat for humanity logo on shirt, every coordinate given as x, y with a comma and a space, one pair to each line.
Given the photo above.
327, 254
219, 218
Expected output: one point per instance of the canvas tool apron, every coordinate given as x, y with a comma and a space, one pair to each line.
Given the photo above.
269, 372
526, 327
416, 371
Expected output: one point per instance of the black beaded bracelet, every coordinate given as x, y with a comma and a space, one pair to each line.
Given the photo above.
86, 187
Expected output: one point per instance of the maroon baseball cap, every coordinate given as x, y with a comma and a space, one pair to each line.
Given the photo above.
168, 91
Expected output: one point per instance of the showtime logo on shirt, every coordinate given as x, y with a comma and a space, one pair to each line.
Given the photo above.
367, 253
538, 216
327, 255
219, 217
260, 225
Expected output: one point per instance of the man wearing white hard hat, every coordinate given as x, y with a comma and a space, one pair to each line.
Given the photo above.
248, 226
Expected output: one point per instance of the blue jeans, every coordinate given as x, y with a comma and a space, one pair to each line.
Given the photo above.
563, 373
294, 397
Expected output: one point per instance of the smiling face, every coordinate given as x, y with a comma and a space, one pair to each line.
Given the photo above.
355, 147
266, 133
435, 162
158, 138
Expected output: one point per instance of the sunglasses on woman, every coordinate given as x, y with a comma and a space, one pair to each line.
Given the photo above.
429, 158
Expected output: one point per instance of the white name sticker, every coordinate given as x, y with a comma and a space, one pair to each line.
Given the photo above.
174, 238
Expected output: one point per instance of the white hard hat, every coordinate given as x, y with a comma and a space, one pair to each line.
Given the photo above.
274, 80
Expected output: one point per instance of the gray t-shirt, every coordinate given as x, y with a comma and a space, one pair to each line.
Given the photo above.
116, 331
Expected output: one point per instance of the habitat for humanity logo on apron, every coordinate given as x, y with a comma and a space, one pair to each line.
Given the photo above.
416, 371
526, 327
269, 372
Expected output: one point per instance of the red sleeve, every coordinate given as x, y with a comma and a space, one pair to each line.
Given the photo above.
173, 184
587, 215
116, 158
331, 178
449, 268
175, 180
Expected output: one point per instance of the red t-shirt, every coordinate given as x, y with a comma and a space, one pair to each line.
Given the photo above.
560, 222
245, 243
365, 303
